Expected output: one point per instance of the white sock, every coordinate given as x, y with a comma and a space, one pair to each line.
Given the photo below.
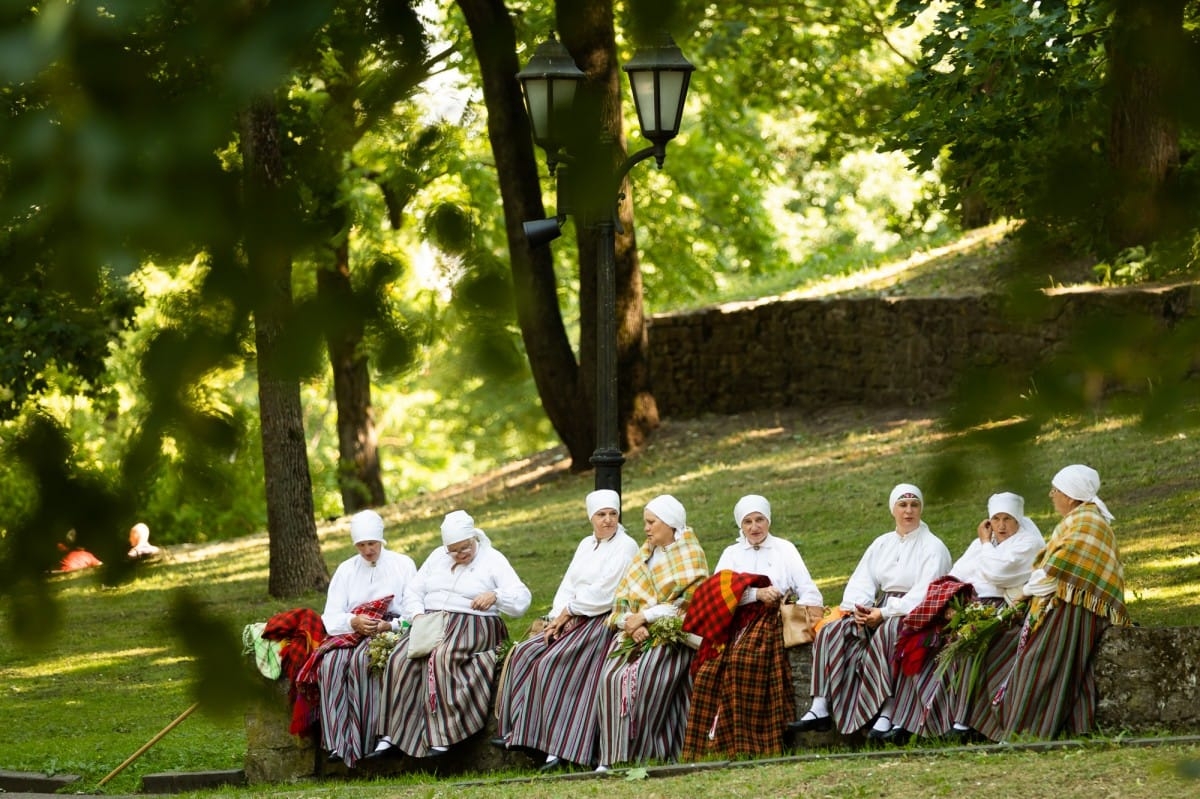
820, 707
884, 722
551, 758
958, 725
384, 743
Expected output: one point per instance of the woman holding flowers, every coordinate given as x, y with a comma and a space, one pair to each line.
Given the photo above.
441, 698
969, 610
1076, 591
742, 696
565, 659
854, 674
645, 685
364, 601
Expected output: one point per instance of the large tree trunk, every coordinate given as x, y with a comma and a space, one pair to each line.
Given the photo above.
586, 29
1147, 45
359, 475
555, 371
296, 564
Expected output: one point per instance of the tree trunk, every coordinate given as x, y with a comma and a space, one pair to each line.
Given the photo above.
1146, 47
555, 371
587, 32
296, 564
359, 475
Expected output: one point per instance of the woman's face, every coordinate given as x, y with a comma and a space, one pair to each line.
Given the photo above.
1062, 503
369, 550
755, 527
463, 552
658, 532
907, 513
604, 523
1004, 526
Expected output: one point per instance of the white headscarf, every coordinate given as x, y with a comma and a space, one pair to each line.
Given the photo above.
1014, 506
749, 504
670, 511
459, 526
366, 525
902, 489
603, 498
1082, 483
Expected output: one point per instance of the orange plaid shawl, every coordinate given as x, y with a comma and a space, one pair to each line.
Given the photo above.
1082, 556
673, 579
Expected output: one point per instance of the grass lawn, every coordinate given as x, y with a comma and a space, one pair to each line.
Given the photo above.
115, 673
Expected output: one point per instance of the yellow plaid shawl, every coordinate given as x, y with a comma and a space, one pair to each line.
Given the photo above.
674, 577
1082, 556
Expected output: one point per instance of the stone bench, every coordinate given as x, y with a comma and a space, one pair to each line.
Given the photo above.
1146, 678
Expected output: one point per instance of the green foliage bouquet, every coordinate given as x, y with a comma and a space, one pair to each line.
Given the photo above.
970, 630
665, 631
380, 649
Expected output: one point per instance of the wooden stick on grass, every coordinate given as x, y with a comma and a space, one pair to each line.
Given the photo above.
149, 744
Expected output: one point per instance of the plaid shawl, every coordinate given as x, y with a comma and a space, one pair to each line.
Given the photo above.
713, 608
301, 631
921, 630
1082, 556
374, 609
674, 577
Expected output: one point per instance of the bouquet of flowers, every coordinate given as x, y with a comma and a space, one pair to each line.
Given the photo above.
667, 630
970, 630
380, 649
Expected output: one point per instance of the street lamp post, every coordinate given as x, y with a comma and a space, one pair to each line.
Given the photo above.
659, 76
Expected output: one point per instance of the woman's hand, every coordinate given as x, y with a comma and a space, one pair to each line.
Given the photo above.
365, 625
634, 622
557, 627
868, 617
769, 595
984, 532
483, 601
640, 634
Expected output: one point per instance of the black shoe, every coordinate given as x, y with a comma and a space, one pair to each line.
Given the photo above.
897, 736
499, 743
437, 751
333, 757
381, 754
553, 765
964, 737
811, 722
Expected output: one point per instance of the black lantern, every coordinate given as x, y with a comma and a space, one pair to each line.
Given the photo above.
550, 80
659, 76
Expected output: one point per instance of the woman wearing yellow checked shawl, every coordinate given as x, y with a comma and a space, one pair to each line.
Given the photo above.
1076, 591
643, 700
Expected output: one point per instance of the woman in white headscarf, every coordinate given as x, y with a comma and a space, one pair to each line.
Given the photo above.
439, 699
742, 698
643, 702
854, 674
365, 599
1076, 591
994, 567
548, 699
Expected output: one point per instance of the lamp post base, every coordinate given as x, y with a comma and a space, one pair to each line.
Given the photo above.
607, 463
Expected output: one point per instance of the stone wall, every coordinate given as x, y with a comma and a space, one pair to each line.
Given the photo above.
1146, 678
882, 352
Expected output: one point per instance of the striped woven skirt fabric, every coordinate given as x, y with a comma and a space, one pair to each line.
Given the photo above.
350, 699
742, 700
643, 705
854, 670
445, 697
927, 704
1051, 687
548, 700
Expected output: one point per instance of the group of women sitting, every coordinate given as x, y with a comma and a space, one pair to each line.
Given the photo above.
647, 656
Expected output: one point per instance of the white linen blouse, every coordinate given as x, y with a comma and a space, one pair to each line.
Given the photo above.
775, 558
356, 581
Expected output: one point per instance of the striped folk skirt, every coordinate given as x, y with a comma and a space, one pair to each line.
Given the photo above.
643, 705
853, 668
928, 704
548, 699
351, 696
445, 697
1051, 687
742, 700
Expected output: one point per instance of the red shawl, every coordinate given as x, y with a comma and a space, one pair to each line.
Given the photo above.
920, 632
713, 608
301, 631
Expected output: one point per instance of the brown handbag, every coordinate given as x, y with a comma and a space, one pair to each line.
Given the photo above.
800, 623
